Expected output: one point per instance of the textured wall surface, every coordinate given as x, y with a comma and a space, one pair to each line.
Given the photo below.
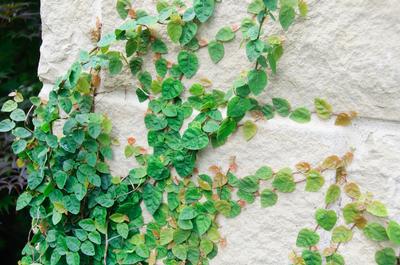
345, 51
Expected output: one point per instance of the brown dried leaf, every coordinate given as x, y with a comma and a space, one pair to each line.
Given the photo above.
352, 190
343, 119
303, 166
331, 162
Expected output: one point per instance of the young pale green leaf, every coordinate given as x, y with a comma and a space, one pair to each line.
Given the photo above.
249, 130
323, 108
377, 208
166, 236
314, 181
174, 31
180, 251
341, 234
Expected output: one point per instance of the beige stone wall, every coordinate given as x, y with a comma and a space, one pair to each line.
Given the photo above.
345, 50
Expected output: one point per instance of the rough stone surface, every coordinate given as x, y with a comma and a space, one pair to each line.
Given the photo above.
345, 51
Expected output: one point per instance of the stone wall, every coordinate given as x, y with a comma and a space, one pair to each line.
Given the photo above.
346, 51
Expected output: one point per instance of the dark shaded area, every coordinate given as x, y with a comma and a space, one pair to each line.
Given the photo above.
20, 39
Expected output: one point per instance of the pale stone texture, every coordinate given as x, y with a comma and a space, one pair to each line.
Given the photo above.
345, 51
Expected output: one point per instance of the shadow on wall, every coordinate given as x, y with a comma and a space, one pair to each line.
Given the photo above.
20, 39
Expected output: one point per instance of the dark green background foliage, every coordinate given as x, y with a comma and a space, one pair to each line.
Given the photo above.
19, 45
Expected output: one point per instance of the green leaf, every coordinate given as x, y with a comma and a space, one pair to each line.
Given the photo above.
216, 51
180, 251
188, 63
225, 34
203, 9
386, 256
9, 106
159, 46
307, 238
268, 198
123, 230
341, 234
21, 132
255, 7
188, 213
335, 259
311, 257
6, 125
23, 200
314, 181
281, 106
264, 173
171, 88
375, 232
249, 130
284, 181
188, 33
73, 243
95, 237
301, 115
154, 122
166, 236
271, 4
174, 31
115, 65
333, 194
257, 81
123, 7
147, 20
326, 218
87, 248
152, 197
19, 146
286, 16
60, 178
143, 251
248, 184
393, 232
73, 258
377, 208
18, 115
194, 139
87, 224
156, 169
203, 223
323, 108
237, 107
